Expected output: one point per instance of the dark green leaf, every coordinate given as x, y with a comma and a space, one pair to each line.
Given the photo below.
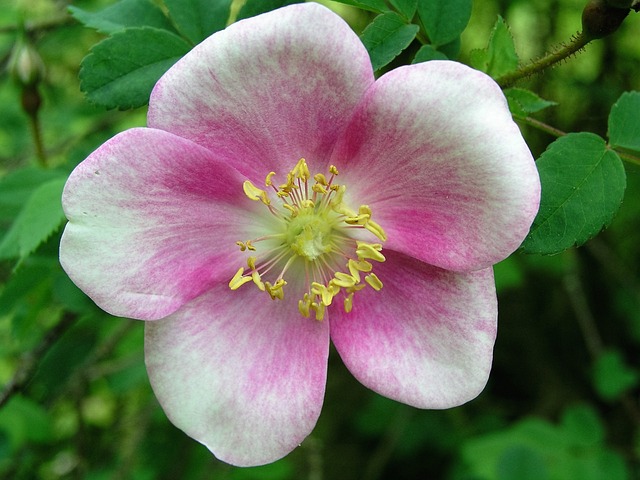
123, 14
523, 102
444, 20
25, 421
121, 71
583, 425
386, 37
499, 57
255, 7
41, 216
612, 376
377, 6
407, 8
582, 187
428, 52
451, 49
624, 127
197, 19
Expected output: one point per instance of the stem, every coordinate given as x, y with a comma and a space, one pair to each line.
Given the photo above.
539, 125
576, 44
629, 157
30, 360
36, 132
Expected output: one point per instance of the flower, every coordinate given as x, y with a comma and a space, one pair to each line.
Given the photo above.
281, 196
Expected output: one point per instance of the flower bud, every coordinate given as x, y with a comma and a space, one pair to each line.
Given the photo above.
599, 19
25, 64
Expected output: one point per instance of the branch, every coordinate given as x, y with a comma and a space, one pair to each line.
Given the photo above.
30, 360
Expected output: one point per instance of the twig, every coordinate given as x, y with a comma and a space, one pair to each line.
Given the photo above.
31, 359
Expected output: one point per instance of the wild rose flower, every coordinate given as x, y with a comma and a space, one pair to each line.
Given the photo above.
282, 196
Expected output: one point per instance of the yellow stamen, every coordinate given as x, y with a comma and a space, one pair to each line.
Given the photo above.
255, 193
238, 280
348, 302
369, 251
373, 280
267, 180
376, 229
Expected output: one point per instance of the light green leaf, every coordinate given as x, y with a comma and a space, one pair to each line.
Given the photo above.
444, 20
499, 57
123, 14
624, 124
40, 217
524, 102
197, 19
386, 37
17, 186
120, 72
428, 52
612, 376
582, 187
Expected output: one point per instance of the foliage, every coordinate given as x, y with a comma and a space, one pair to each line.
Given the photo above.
562, 399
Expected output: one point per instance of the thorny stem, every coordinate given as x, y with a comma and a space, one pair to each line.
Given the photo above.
577, 43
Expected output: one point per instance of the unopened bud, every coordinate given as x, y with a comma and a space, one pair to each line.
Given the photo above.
600, 19
25, 64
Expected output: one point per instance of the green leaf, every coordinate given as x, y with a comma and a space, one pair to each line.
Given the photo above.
499, 57
406, 8
120, 72
612, 376
428, 52
376, 6
583, 425
25, 421
123, 14
40, 217
444, 20
197, 19
251, 8
17, 186
624, 127
582, 187
386, 37
523, 102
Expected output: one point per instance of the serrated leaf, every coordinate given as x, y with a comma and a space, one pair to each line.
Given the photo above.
120, 71
582, 188
386, 37
197, 19
612, 376
251, 8
376, 6
406, 8
40, 217
17, 186
624, 127
499, 57
123, 14
523, 102
428, 52
444, 20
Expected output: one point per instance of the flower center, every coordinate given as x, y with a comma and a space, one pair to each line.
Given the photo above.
311, 242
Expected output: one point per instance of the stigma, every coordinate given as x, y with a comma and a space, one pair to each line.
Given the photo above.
311, 242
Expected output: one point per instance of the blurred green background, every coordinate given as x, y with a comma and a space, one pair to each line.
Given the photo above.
562, 400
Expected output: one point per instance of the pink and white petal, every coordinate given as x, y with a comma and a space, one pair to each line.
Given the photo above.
267, 90
434, 151
426, 339
240, 373
153, 221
